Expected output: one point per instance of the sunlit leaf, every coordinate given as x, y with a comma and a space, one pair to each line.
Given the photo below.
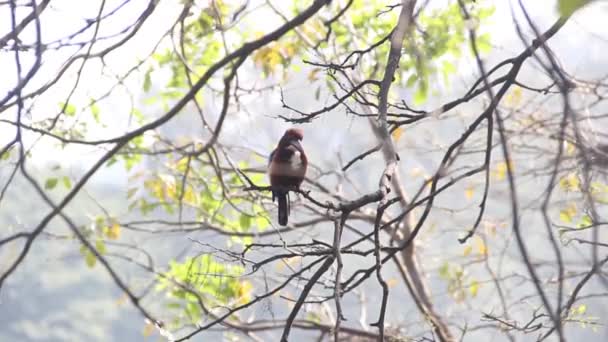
147, 80
397, 133
567, 214
570, 183
245, 221
313, 316
444, 270
411, 81
569, 147
67, 183
482, 248
500, 170
262, 223
484, 44
6, 154
69, 109
312, 75
113, 231
420, 95
89, 257
586, 221
474, 288
95, 110
100, 246
581, 309
469, 191
50, 183
244, 292
513, 97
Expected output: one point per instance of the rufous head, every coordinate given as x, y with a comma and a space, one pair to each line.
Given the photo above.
294, 133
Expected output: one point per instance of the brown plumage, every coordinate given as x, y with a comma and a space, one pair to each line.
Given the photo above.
286, 169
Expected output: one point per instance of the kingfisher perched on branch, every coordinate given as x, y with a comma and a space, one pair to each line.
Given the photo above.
286, 168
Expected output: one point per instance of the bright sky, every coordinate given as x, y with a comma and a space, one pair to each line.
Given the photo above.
66, 16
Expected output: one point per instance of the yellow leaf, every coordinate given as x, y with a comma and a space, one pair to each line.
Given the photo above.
189, 196
268, 58
513, 98
482, 249
567, 214
469, 191
148, 329
90, 259
156, 187
569, 183
569, 147
244, 292
467, 251
581, 309
474, 288
392, 282
182, 164
500, 171
312, 75
397, 133
113, 231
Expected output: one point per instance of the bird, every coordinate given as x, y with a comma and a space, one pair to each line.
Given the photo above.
286, 169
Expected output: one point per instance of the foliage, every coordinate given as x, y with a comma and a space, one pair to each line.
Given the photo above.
499, 141
201, 282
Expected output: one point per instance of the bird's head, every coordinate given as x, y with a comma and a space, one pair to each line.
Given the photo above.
293, 134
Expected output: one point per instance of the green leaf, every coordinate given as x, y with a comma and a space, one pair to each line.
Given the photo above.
245, 221
261, 222
90, 259
484, 44
448, 67
581, 309
6, 154
421, 94
68, 108
147, 80
444, 271
567, 214
95, 110
66, 182
474, 288
174, 305
50, 183
111, 161
567, 7
100, 246
586, 221
131, 160
411, 80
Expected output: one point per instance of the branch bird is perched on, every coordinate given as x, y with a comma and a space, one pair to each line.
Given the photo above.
286, 169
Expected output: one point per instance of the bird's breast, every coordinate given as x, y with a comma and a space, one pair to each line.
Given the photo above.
296, 160
294, 166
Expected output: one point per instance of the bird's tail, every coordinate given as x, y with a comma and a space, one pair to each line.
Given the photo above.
283, 208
